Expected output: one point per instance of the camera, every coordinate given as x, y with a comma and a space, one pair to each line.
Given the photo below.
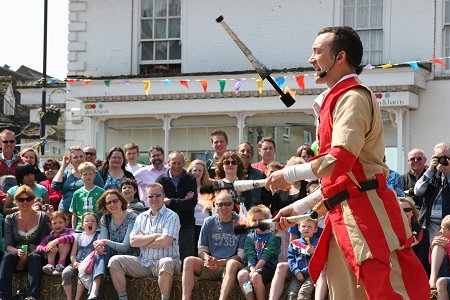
44, 207
443, 160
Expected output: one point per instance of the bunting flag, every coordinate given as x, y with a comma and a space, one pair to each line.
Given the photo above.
438, 61
281, 81
260, 84
53, 80
386, 66
185, 83
87, 81
286, 90
300, 81
107, 82
204, 84
71, 81
237, 86
368, 67
222, 83
168, 82
147, 84
414, 65
127, 82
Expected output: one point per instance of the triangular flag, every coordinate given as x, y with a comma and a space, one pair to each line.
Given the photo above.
204, 84
222, 83
87, 81
53, 80
107, 82
168, 82
280, 81
260, 83
414, 65
386, 66
368, 67
147, 84
127, 82
300, 81
185, 83
71, 81
291, 92
237, 86
438, 61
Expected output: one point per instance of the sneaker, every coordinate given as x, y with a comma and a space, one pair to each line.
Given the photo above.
58, 269
48, 269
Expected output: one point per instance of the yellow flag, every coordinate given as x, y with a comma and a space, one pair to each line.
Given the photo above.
147, 84
260, 84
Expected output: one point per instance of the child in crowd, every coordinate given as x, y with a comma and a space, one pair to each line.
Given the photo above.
128, 188
57, 242
261, 250
51, 167
299, 255
85, 198
82, 246
439, 258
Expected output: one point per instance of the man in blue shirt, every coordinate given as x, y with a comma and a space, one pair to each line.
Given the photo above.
220, 250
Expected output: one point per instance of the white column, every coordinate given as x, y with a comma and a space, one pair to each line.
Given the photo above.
240, 124
166, 120
400, 160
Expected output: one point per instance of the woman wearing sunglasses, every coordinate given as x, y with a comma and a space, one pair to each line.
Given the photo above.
421, 245
25, 176
228, 169
115, 228
24, 230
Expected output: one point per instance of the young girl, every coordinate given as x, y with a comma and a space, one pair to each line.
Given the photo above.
82, 246
57, 242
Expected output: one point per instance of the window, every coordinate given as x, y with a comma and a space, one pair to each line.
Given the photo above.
447, 34
160, 37
366, 17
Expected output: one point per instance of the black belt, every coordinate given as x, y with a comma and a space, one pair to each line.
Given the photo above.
331, 202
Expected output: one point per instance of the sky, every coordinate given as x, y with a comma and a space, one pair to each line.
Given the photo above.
22, 34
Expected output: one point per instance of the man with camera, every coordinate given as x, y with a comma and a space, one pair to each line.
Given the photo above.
434, 188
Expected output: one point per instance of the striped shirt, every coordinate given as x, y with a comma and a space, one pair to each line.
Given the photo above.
166, 223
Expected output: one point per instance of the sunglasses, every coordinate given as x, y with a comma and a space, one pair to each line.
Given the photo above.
408, 209
90, 153
27, 199
9, 142
154, 196
113, 201
417, 158
227, 204
230, 162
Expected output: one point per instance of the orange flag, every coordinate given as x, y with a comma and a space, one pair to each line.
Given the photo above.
185, 83
71, 81
438, 61
300, 81
204, 84
87, 81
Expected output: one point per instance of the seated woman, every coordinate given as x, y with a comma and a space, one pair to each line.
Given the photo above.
25, 175
113, 169
116, 225
24, 230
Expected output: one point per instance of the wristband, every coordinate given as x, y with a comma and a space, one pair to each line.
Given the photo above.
298, 172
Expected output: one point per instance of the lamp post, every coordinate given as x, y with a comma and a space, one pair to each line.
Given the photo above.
44, 79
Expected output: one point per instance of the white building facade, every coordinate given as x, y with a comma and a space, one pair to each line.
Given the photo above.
119, 45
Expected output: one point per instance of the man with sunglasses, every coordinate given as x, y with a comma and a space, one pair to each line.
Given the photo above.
8, 159
155, 232
91, 156
220, 250
434, 187
417, 167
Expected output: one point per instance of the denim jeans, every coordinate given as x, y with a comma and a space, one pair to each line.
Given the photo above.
34, 267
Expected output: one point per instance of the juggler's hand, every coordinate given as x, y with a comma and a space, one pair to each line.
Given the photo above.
277, 182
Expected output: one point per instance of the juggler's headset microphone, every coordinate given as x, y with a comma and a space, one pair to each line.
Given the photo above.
324, 73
